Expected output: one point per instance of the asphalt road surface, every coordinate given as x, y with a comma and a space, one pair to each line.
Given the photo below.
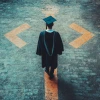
21, 74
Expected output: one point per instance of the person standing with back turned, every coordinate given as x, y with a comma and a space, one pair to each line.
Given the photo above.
49, 46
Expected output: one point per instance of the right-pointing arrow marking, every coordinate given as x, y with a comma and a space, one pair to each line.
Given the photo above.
86, 36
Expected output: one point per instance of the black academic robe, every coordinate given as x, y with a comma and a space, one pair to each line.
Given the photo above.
48, 60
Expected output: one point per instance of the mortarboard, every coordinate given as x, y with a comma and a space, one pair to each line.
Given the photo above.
49, 20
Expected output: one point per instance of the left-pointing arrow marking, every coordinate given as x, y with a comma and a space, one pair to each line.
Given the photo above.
12, 35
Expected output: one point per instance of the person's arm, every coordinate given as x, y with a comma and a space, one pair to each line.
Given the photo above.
60, 44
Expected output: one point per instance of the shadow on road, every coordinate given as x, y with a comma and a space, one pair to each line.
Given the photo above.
66, 90
91, 14
3, 1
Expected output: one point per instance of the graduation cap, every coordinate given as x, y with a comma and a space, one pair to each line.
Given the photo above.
49, 20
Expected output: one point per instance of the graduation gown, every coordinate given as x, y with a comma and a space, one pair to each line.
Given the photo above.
48, 53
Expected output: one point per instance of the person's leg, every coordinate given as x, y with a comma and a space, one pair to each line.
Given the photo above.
47, 70
52, 72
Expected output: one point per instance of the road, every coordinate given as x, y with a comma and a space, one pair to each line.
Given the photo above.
78, 73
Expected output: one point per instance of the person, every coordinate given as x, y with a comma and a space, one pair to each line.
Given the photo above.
49, 46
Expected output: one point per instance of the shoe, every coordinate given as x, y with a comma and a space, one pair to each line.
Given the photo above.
52, 76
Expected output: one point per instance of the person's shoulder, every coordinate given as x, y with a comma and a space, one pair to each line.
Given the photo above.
42, 32
56, 32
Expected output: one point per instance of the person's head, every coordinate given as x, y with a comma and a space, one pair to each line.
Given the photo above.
49, 26
49, 22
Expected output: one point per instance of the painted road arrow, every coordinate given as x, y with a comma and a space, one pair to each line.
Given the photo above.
86, 36
51, 87
50, 10
12, 35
